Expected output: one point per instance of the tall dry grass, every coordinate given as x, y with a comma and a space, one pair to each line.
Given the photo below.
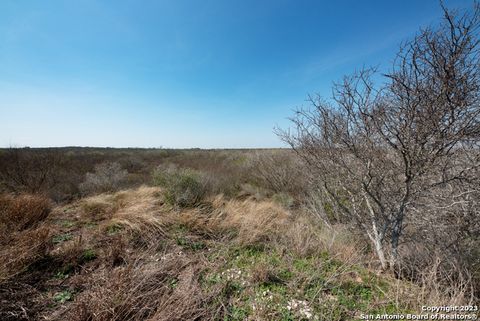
22, 250
24, 211
142, 290
23, 240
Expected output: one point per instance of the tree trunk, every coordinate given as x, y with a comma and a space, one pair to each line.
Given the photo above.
396, 233
380, 252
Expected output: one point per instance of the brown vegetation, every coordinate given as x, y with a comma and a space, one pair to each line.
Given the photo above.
134, 257
23, 211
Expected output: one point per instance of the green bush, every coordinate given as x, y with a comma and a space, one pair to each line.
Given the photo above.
183, 187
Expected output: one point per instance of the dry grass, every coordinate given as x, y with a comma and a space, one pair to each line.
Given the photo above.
265, 222
129, 256
24, 249
21, 212
143, 290
22, 240
96, 208
252, 223
140, 212
256, 222
137, 211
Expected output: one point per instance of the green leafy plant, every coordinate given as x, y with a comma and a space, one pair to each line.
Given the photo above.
62, 238
89, 255
114, 229
63, 296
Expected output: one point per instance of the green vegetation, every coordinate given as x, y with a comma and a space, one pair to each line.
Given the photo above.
64, 296
89, 255
183, 187
62, 238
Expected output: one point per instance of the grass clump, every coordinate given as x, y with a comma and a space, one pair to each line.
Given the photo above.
22, 250
183, 187
23, 212
23, 239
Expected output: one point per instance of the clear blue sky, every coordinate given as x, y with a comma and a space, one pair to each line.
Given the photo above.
206, 74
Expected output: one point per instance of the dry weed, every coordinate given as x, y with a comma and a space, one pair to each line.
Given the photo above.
21, 212
24, 249
165, 289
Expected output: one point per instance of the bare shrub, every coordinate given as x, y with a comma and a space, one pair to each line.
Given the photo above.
133, 164
446, 235
23, 170
279, 171
50, 171
107, 177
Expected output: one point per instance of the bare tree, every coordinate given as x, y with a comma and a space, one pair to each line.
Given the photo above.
379, 149
108, 177
28, 170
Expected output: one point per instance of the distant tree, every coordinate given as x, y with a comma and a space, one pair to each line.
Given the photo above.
108, 177
25, 170
379, 148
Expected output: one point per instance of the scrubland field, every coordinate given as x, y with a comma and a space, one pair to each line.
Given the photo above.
373, 209
153, 234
